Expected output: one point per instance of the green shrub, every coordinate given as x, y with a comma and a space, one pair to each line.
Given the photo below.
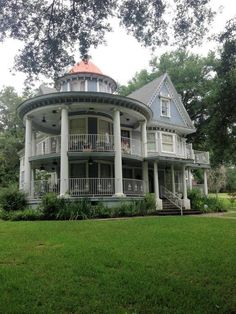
25, 215
214, 204
51, 205
12, 199
232, 197
75, 210
150, 202
102, 211
205, 204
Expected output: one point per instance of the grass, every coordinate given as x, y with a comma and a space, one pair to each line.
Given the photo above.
139, 265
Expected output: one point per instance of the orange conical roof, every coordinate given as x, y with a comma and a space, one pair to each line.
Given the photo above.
85, 66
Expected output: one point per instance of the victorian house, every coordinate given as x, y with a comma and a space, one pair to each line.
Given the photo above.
93, 143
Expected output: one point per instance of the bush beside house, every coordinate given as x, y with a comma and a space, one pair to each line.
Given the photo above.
54, 208
206, 204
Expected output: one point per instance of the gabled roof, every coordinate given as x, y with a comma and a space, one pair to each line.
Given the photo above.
145, 93
148, 93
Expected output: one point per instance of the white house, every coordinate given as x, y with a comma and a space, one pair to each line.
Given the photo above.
97, 144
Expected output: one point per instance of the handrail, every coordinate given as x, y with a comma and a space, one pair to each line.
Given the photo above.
174, 199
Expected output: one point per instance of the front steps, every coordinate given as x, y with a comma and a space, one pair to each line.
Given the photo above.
177, 212
170, 209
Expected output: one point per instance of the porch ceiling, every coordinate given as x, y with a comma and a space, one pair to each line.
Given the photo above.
89, 101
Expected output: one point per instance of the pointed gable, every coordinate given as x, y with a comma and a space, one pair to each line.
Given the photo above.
144, 93
166, 104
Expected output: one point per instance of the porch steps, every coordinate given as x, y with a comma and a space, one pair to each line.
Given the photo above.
168, 205
177, 212
170, 209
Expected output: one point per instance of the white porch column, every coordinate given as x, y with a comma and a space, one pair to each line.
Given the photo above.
205, 183
173, 178
118, 154
32, 183
64, 176
33, 152
186, 201
28, 138
144, 138
145, 177
156, 187
190, 183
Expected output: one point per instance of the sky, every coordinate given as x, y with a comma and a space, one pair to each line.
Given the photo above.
121, 57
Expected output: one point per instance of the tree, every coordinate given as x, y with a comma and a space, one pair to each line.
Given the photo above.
11, 136
52, 29
9, 121
222, 112
217, 179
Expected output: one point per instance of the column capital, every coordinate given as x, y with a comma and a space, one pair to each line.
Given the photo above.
63, 106
142, 121
115, 109
29, 117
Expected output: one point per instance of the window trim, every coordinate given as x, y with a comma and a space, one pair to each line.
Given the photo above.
168, 107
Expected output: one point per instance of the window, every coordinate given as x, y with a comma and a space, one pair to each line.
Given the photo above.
78, 126
102, 87
105, 171
151, 142
78, 170
104, 127
165, 107
22, 179
168, 143
82, 86
92, 86
125, 141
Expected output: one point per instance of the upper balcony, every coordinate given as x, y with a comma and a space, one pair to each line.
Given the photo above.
88, 143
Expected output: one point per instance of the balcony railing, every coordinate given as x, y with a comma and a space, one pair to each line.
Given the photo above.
131, 146
91, 143
88, 187
50, 145
189, 151
201, 157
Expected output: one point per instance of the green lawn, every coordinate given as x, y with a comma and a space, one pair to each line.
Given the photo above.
140, 265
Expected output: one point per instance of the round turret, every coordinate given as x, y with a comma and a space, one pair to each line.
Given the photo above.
85, 76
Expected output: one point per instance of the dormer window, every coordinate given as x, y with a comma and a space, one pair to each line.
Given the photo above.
165, 107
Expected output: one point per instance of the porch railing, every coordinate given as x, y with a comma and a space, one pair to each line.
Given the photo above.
189, 151
91, 186
173, 198
133, 187
49, 145
41, 187
82, 187
91, 143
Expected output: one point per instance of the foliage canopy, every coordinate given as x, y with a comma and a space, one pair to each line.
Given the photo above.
52, 29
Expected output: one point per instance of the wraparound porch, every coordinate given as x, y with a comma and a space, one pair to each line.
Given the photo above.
87, 187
